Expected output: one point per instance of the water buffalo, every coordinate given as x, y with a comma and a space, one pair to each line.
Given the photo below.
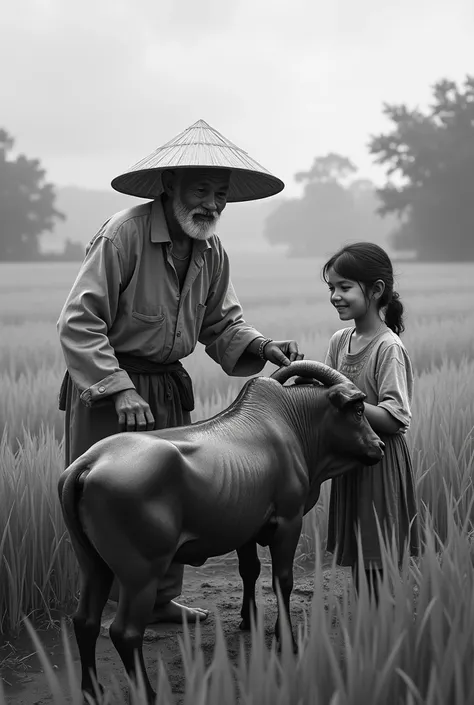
134, 502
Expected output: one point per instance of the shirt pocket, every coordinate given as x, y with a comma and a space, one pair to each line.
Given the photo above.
145, 318
149, 333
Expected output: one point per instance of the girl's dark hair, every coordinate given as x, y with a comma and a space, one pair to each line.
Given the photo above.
365, 262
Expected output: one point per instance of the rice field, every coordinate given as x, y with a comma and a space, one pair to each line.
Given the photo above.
418, 646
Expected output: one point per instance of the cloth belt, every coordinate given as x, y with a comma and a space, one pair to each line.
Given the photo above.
141, 366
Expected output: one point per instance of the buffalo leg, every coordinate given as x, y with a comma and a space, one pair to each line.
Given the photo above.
249, 569
134, 612
283, 548
96, 581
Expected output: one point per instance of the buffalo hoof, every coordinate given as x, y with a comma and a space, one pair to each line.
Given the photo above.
90, 697
246, 624
295, 646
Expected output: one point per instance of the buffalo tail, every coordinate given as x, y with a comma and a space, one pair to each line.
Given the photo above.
69, 489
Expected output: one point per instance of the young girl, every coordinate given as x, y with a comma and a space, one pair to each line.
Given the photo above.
371, 354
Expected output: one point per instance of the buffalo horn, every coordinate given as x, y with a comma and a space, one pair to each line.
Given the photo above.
312, 369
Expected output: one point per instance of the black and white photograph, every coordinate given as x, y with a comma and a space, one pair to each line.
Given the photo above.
237, 352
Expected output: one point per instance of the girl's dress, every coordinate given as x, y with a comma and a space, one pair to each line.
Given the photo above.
383, 371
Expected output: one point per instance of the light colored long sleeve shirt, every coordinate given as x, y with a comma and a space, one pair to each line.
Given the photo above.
127, 299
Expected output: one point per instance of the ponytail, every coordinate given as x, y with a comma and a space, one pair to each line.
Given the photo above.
394, 314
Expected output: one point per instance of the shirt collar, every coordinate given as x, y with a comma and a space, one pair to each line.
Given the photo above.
159, 228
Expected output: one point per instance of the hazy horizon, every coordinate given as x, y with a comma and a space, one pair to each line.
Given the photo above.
92, 89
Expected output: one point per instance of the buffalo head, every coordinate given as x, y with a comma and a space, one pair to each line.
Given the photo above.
347, 436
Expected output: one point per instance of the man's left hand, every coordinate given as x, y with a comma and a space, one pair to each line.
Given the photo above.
282, 352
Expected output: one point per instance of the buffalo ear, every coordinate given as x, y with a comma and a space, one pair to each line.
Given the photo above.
342, 394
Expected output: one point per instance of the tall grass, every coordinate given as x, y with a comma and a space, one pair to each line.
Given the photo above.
37, 567
38, 570
410, 650
442, 441
31, 374
414, 647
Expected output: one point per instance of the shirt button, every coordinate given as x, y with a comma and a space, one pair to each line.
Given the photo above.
178, 334
101, 390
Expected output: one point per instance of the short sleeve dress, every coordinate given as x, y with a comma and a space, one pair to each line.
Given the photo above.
383, 371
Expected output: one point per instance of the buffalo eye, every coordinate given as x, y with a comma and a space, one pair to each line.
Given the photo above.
359, 412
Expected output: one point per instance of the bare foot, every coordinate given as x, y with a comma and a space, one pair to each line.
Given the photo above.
173, 612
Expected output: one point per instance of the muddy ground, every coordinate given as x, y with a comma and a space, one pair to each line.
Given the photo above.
216, 586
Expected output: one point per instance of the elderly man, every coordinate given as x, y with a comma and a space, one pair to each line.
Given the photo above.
155, 280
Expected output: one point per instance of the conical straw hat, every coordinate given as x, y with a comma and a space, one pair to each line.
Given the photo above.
199, 146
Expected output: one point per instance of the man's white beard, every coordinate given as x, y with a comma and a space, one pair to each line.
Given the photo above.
197, 230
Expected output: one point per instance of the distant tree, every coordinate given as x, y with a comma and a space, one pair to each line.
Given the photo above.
331, 211
432, 155
26, 204
333, 168
73, 251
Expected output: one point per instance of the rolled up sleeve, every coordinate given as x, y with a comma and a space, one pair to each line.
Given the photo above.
224, 332
85, 320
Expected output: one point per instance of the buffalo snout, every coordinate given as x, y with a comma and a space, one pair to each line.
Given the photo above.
375, 450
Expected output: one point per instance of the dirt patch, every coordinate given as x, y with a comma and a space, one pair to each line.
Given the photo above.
216, 586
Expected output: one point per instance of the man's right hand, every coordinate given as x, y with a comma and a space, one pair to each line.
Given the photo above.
133, 412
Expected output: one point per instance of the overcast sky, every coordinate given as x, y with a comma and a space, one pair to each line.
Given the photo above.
91, 87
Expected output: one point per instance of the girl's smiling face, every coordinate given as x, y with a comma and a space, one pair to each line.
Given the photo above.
347, 296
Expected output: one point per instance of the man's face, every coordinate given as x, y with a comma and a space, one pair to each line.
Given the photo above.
199, 197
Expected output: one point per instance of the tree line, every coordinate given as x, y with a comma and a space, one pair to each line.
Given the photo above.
429, 162
428, 157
